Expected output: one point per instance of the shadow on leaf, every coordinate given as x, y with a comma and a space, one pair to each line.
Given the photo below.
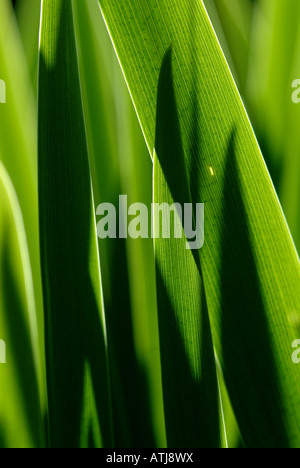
248, 364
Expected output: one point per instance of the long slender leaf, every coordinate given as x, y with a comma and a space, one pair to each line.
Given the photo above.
78, 383
115, 146
188, 364
250, 267
136, 182
18, 136
20, 375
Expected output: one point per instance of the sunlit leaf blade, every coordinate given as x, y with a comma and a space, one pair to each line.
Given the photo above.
250, 267
191, 397
232, 436
78, 389
115, 146
18, 137
20, 372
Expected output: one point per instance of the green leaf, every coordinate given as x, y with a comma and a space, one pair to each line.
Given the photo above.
18, 135
77, 374
250, 268
115, 145
190, 386
20, 371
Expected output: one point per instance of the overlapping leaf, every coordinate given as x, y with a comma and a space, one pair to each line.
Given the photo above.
191, 396
77, 375
250, 267
20, 372
18, 135
115, 147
